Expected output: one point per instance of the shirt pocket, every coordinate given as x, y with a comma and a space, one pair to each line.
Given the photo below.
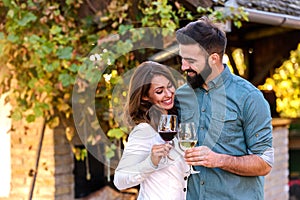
189, 116
227, 124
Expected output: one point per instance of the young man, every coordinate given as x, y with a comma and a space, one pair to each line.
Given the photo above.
234, 150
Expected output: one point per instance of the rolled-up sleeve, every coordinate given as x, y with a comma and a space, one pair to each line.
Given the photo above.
258, 129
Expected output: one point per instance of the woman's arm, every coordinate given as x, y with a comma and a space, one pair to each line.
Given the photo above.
140, 158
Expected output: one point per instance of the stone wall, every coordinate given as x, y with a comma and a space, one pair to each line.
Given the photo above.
54, 178
276, 183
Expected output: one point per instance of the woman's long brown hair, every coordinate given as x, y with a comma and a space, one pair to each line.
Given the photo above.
138, 110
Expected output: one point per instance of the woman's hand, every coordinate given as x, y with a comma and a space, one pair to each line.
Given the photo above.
158, 151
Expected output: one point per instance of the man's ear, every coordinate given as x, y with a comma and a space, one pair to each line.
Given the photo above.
214, 58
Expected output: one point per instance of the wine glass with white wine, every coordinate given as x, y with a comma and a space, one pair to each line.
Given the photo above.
187, 137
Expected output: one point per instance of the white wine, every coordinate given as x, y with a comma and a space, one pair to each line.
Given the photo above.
188, 143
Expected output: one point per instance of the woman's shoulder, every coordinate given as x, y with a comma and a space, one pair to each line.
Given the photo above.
142, 126
143, 129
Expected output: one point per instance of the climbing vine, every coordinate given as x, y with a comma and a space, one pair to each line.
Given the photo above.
47, 51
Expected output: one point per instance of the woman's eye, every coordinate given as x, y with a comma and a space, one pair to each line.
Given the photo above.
159, 92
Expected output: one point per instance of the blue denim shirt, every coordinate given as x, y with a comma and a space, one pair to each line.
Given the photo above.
233, 118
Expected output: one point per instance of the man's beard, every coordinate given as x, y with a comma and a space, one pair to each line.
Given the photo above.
199, 79
195, 81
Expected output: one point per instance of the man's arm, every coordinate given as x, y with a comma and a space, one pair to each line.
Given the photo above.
248, 165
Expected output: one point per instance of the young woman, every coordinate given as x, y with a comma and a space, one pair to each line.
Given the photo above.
151, 93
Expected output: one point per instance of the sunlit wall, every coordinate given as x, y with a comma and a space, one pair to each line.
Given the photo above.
5, 164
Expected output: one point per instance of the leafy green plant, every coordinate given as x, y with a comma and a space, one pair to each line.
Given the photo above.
47, 53
42, 48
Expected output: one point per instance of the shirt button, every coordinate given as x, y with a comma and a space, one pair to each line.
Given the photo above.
202, 182
203, 110
185, 178
184, 189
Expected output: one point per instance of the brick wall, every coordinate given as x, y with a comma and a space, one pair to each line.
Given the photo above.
55, 173
276, 183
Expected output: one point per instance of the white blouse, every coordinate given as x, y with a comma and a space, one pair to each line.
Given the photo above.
167, 181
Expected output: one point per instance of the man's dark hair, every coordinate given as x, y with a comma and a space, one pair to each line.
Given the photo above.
207, 34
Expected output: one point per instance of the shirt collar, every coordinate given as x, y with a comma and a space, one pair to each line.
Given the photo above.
221, 79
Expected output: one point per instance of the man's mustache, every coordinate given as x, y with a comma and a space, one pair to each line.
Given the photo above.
191, 70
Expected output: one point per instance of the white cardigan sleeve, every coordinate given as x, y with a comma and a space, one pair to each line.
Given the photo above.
135, 164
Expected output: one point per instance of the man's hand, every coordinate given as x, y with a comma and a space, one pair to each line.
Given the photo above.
247, 165
202, 156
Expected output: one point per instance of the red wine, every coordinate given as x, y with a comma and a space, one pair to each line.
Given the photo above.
167, 135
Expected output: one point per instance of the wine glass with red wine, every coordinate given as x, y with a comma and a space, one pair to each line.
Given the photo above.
167, 128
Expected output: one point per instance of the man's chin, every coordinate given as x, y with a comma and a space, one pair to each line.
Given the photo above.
195, 81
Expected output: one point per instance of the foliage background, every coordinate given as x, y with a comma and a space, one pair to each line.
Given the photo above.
47, 49
286, 83
45, 46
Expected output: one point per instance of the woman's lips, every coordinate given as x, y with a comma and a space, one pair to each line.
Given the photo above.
168, 101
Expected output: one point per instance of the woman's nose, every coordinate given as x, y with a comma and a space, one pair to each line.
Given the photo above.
169, 92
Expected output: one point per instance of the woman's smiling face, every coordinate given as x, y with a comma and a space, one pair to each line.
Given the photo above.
161, 92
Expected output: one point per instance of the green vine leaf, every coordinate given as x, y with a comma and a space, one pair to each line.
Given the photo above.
16, 115
32, 82
73, 68
52, 66
124, 29
109, 151
117, 133
27, 18
64, 53
55, 30
12, 38
66, 79
30, 118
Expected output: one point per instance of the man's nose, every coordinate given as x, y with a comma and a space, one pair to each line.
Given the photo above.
184, 65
